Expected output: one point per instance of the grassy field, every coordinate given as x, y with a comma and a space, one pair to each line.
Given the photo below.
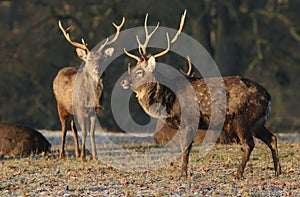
211, 175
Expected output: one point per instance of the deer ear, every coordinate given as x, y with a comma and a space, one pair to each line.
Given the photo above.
109, 52
151, 64
81, 53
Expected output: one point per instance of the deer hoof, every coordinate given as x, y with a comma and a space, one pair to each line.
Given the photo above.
83, 159
62, 156
95, 159
239, 176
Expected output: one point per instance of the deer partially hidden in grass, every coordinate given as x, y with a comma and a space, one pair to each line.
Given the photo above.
78, 91
247, 104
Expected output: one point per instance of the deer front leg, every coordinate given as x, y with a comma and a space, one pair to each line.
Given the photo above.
83, 122
186, 141
248, 145
184, 161
92, 136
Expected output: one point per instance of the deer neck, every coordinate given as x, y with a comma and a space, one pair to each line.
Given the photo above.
157, 100
89, 90
91, 78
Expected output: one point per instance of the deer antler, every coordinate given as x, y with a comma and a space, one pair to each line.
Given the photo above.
128, 67
118, 27
188, 74
166, 50
175, 37
180, 27
147, 36
132, 56
67, 36
84, 45
142, 47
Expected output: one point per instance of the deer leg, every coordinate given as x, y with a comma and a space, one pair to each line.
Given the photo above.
185, 160
92, 136
63, 120
63, 139
186, 141
82, 122
247, 146
245, 136
75, 133
270, 140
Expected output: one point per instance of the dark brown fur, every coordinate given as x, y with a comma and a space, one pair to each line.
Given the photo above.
245, 108
164, 134
18, 140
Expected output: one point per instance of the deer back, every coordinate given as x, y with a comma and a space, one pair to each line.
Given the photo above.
245, 99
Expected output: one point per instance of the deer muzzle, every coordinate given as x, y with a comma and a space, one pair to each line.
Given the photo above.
125, 84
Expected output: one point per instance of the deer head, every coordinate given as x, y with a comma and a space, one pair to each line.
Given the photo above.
142, 73
92, 58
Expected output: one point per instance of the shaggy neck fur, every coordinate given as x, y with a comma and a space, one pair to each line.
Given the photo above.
159, 101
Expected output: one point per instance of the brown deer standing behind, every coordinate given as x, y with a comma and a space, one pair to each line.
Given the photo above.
80, 99
247, 104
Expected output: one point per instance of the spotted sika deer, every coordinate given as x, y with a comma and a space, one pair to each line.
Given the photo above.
246, 105
78, 91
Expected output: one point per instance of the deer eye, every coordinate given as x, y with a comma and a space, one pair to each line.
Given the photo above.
139, 73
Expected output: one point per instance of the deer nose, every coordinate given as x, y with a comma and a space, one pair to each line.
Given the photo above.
125, 84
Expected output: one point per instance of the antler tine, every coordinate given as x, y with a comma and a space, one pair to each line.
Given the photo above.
132, 56
141, 53
140, 45
175, 37
67, 36
103, 45
166, 50
118, 27
188, 73
190, 67
147, 35
180, 27
128, 67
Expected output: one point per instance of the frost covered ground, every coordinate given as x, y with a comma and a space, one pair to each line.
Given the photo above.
210, 175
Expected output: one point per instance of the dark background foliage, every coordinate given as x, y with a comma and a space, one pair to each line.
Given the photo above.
258, 39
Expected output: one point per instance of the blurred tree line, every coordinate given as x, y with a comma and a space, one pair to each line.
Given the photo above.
258, 39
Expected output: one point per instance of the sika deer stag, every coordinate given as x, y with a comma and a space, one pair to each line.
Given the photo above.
246, 106
165, 134
78, 91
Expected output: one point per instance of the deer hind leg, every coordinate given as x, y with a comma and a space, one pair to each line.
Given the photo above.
270, 140
75, 133
248, 144
63, 116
